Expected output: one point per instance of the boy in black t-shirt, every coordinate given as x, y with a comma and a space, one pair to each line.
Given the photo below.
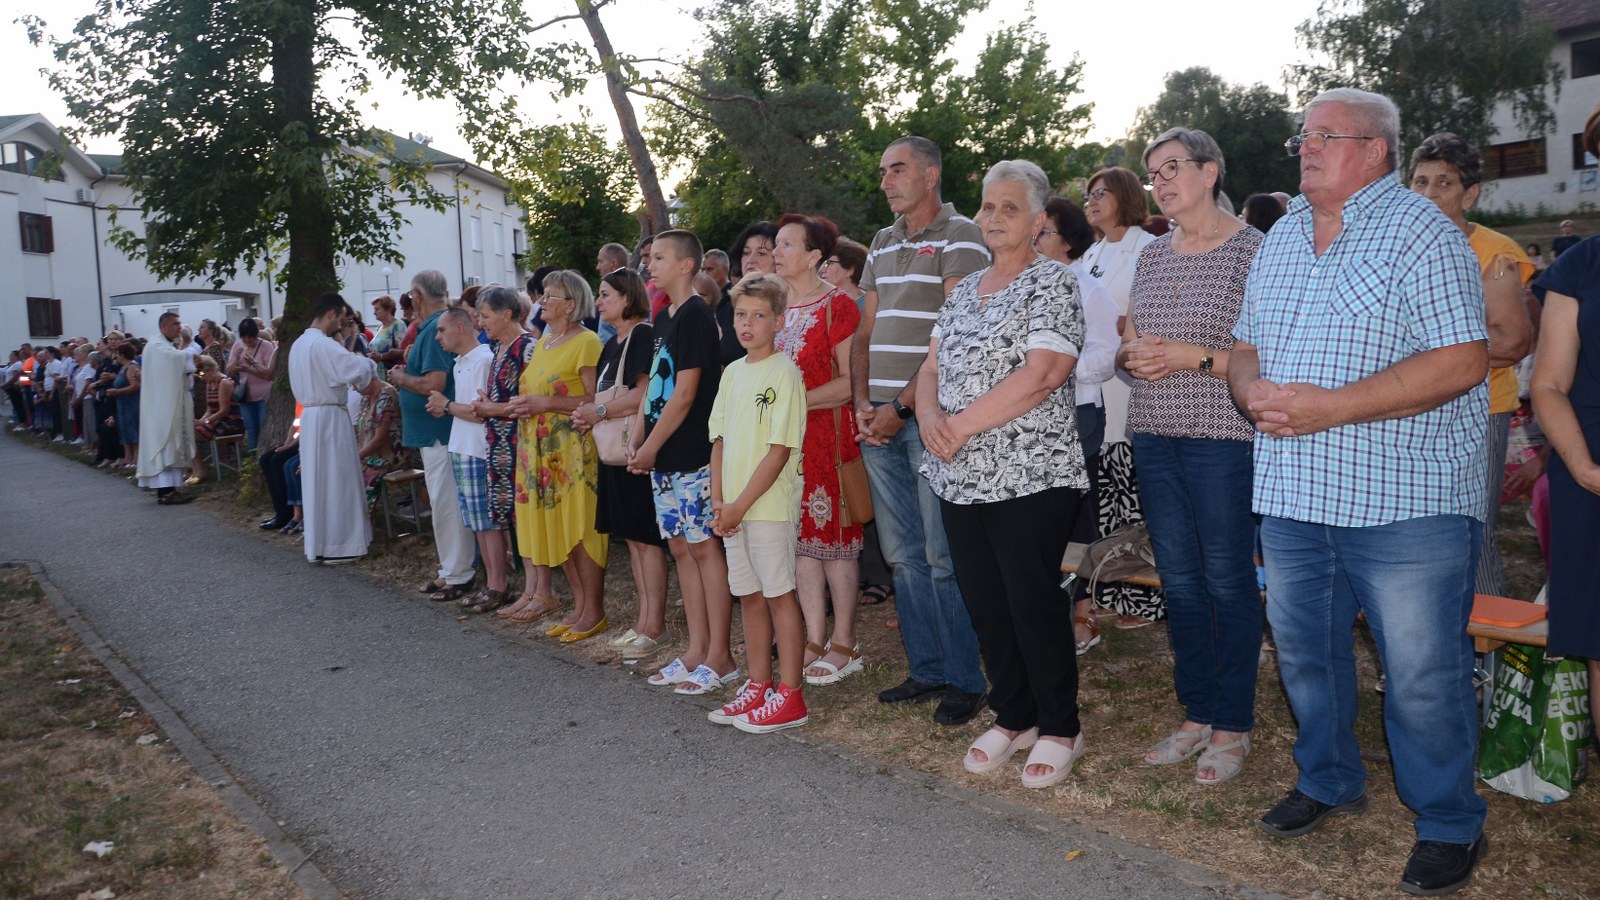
671, 442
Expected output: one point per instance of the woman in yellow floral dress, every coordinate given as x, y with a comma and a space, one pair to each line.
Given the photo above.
558, 468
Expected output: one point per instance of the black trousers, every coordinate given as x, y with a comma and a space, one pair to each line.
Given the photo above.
1007, 557
272, 469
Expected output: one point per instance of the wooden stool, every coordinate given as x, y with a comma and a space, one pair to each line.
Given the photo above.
227, 455
389, 487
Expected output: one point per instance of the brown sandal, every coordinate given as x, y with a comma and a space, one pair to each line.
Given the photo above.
537, 610
486, 600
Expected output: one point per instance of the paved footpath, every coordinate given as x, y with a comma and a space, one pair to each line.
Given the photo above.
417, 757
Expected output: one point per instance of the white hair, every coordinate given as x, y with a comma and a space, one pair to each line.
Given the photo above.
1025, 173
1375, 113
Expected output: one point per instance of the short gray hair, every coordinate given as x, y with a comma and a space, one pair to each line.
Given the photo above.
718, 256
499, 298
1201, 147
576, 288
1025, 173
614, 252
431, 283
1376, 114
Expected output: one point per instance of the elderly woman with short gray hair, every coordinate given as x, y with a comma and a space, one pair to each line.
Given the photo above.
1193, 451
995, 404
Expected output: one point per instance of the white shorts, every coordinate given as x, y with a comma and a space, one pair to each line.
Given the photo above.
761, 559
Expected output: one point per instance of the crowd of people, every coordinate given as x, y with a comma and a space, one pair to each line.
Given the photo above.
1329, 382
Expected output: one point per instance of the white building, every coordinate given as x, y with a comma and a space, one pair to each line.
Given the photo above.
62, 278
1552, 171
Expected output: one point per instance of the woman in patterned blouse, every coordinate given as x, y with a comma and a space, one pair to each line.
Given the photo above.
1192, 451
995, 404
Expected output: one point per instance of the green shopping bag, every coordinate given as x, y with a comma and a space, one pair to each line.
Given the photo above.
1538, 726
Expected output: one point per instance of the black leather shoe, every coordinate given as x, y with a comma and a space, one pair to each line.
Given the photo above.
1436, 868
1297, 814
912, 690
272, 523
958, 707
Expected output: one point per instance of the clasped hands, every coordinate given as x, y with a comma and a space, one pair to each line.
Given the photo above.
942, 434
1289, 410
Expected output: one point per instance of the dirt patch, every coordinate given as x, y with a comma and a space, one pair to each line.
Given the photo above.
81, 764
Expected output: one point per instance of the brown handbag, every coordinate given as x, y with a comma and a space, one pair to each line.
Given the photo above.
855, 491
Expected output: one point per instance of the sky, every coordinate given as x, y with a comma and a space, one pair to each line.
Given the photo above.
1125, 56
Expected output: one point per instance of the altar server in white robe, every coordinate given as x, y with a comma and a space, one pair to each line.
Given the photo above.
321, 374
166, 414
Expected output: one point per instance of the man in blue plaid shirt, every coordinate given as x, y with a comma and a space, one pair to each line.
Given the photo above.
1361, 356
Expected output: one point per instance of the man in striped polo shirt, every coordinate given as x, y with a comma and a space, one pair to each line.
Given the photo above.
911, 266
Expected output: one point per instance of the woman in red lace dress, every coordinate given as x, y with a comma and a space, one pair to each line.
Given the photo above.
818, 327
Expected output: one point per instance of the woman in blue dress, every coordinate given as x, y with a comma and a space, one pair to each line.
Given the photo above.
1566, 398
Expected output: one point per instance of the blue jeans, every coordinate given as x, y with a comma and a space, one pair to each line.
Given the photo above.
1413, 579
1196, 498
941, 646
253, 412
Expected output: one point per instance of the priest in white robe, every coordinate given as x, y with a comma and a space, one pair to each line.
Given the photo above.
166, 414
321, 374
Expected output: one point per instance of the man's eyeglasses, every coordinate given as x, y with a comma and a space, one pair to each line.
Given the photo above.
1167, 170
1316, 140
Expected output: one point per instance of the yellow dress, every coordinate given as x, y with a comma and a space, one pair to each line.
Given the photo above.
557, 468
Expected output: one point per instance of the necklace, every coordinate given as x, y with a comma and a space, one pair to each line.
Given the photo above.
552, 342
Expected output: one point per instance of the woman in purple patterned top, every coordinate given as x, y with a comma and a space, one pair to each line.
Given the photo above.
1192, 451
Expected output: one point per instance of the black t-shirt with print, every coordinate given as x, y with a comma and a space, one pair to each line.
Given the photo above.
685, 340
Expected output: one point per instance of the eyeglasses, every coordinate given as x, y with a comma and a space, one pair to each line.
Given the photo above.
549, 298
1046, 231
830, 261
1097, 194
1167, 170
1316, 140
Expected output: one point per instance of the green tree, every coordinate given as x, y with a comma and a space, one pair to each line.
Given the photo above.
241, 126
1250, 123
795, 101
576, 191
1446, 63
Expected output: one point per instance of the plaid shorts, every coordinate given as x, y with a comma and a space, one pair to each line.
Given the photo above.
472, 489
683, 504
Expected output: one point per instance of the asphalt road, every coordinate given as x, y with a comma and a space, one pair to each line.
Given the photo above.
418, 757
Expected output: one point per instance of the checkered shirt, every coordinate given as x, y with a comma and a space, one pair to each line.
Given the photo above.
1399, 279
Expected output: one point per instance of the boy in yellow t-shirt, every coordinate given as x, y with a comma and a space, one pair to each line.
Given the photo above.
756, 426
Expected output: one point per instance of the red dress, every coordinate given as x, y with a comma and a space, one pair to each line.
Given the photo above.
805, 338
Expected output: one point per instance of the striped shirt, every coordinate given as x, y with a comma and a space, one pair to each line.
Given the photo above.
1399, 280
908, 273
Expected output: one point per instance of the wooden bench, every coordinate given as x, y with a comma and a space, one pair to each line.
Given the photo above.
227, 455
390, 488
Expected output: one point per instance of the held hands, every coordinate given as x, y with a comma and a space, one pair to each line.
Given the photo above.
1152, 357
1289, 410
584, 418
641, 461
726, 518
437, 404
877, 425
941, 433
524, 405
397, 375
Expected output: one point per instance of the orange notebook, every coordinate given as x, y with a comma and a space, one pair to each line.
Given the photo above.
1505, 612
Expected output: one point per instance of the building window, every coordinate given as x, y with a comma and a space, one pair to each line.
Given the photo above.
1586, 58
1514, 159
44, 317
475, 232
37, 234
1581, 158
26, 159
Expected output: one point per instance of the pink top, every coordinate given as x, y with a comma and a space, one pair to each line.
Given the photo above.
255, 387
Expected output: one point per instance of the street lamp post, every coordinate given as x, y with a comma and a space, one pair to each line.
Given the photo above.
386, 271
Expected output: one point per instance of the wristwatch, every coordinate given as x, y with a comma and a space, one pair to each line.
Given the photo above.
600, 410
903, 411
1205, 364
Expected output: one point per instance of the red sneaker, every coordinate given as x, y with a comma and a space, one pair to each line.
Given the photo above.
750, 696
785, 708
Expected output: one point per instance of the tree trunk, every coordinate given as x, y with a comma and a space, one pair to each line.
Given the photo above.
655, 205
309, 218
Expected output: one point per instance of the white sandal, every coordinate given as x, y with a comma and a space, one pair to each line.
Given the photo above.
837, 674
1058, 756
1171, 749
998, 748
1227, 766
